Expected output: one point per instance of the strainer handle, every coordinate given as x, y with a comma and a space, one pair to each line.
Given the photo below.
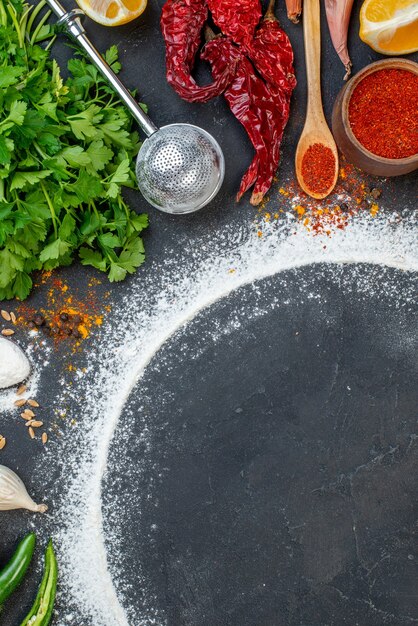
70, 22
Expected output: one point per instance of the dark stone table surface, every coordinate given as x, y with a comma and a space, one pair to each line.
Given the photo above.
290, 482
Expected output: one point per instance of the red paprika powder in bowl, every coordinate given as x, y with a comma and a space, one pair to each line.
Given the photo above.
375, 118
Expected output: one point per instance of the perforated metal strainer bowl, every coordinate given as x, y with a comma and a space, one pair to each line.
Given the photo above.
180, 167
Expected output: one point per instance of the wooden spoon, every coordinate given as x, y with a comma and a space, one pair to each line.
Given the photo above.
316, 129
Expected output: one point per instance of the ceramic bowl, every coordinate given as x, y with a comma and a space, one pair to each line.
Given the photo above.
347, 142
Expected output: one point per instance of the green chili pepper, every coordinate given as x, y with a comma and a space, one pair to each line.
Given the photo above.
41, 612
12, 575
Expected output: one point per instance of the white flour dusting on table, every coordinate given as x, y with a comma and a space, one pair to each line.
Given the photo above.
149, 315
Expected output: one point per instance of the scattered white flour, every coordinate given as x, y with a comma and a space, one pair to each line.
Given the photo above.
154, 309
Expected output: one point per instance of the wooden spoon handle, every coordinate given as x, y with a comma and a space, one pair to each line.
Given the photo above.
312, 38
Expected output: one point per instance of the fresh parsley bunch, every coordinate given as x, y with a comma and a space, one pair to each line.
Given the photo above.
66, 151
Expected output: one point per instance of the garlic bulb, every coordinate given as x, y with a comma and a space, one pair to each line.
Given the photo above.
13, 494
14, 364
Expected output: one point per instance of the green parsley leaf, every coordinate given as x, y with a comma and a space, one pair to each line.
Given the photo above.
21, 180
9, 75
10, 263
54, 250
22, 285
99, 156
6, 149
108, 240
87, 187
128, 261
74, 156
93, 258
83, 124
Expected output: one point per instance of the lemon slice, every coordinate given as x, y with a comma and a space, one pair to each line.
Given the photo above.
390, 26
112, 12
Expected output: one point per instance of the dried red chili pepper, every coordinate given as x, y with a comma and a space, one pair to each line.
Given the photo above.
249, 100
260, 101
236, 19
182, 22
272, 54
262, 106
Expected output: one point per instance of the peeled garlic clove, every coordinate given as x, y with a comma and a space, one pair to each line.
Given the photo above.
14, 364
13, 493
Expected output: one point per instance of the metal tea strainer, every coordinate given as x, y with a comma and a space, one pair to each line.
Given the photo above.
180, 167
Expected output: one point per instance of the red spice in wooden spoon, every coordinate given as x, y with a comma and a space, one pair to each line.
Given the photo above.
318, 168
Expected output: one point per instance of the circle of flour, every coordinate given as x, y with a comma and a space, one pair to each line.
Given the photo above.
14, 364
206, 272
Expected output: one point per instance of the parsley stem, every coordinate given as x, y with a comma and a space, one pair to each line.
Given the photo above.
95, 211
34, 39
3, 14
33, 16
50, 42
23, 22
39, 151
51, 208
125, 206
103, 100
92, 205
12, 14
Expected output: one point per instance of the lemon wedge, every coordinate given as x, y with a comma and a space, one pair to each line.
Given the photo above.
112, 12
390, 26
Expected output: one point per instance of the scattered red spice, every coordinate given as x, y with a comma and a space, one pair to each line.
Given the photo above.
383, 113
354, 193
63, 314
323, 221
318, 168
